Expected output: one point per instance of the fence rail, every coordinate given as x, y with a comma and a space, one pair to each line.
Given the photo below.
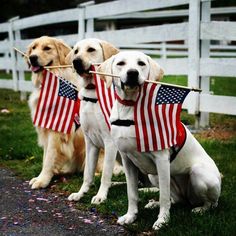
192, 56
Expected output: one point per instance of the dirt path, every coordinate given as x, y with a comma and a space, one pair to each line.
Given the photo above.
39, 212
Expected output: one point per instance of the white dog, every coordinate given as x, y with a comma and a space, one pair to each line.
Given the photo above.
93, 124
194, 175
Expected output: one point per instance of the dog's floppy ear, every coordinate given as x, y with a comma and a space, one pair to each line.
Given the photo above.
156, 72
106, 67
108, 49
63, 50
69, 57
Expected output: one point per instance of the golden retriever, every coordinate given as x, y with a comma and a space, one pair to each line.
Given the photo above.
62, 153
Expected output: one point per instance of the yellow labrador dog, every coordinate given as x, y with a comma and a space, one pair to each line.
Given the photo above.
96, 132
62, 153
192, 175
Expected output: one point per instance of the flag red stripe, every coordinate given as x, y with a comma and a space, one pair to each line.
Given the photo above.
137, 124
55, 112
47, 84
143, 120
40, 98
54, 82
60, 114
64, 121
154, 140
165, 125
171, 124
76, 110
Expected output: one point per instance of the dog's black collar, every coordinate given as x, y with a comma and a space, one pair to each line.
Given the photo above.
93, 100
123, 123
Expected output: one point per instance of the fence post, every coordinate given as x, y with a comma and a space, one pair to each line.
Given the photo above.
193, 55
81, 29
12, 53
21, 74
205, 52
163, 50
90, 22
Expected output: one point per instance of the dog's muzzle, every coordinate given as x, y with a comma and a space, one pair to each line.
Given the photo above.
132, 78
79, 66
34, 64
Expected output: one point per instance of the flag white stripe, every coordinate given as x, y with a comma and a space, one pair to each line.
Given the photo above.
54, 103
162, 125
40, 110
50, 94
157, 132
64, 108
146, 117
58, 113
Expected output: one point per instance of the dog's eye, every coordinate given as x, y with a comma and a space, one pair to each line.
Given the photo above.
46, 48
121, 63
141, 63
91, 50
33, 47
76, 51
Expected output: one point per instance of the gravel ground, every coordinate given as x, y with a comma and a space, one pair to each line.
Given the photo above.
40, 212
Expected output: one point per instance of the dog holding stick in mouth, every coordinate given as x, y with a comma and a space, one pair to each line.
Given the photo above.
62, 153
97, 135
190, 176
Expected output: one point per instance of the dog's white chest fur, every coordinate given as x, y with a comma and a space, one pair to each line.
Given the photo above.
125, 140
93, 123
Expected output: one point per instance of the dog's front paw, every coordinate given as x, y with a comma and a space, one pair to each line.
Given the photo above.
152, 204
75, 196
127, 219
37, 183
161, 221
98, 199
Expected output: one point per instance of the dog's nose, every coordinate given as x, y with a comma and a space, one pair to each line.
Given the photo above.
78, 65
33, 60
132, 78
132, 74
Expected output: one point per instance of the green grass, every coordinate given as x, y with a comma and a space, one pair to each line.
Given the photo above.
19, 151
218, 85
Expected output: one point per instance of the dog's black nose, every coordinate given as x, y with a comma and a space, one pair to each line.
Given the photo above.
132, 78
132, 74
78, 65
33, 60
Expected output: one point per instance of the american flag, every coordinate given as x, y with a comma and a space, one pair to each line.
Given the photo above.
58, 104
156, 113
157, 116
106, 97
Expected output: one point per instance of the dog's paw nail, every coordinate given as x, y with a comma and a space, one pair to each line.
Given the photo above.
98, 200
74, 197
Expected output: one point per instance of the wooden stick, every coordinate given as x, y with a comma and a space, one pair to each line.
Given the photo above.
59, 66
175, 85
150, 81
22, 53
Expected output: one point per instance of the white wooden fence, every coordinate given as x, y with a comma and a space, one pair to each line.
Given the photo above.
194, 58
